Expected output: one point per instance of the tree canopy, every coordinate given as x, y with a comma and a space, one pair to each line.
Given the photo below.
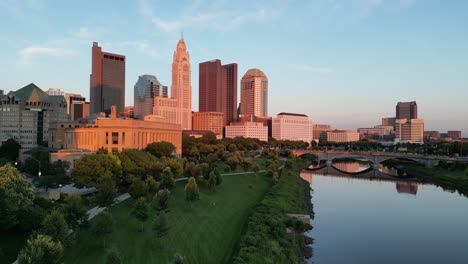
16, 194
160, 149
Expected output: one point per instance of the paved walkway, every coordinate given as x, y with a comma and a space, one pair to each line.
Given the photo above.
96, 210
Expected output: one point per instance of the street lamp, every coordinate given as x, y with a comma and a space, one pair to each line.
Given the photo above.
39, 163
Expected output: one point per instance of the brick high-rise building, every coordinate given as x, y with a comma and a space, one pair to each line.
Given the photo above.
107, 84
218, 89
407, 110
211, 121
456, 134
181, 88
254, 93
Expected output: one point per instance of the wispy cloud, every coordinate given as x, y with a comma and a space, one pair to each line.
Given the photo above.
220, 19
32, 51
143, 47
83, 33
311, 69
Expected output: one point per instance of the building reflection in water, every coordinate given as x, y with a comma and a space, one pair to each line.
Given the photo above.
336, 170
407, 187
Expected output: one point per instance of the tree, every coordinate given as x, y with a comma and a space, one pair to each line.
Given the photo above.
161, 149
232, 148
275, 177
102, 225
246, 164
138, 189
74, 211
107, 191
16, 194
208, 138
466, 172
10, 150
41, 249
219, 178
191, 190
256, 168
212, 181
39, 161
178, 259
55, 226
31, 217
161, 199
167, 180
160, 226
153, 186
93, 169
113, 257
141, 211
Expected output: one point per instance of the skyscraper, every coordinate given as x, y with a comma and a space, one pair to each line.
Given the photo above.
408, 110
218, 89
107, 85
411, 130
254, 93
181, 88
145, 90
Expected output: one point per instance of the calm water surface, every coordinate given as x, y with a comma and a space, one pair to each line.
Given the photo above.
372, 221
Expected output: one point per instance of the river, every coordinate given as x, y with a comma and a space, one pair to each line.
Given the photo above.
367, 220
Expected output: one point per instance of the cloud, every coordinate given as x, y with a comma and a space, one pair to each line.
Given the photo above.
312, 69
143, 47
220, 19
83, 33
33, 51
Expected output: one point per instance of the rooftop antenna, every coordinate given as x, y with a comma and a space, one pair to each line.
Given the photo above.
182, 34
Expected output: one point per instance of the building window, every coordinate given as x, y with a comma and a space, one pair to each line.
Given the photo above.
107, 138
123, 138
115, 138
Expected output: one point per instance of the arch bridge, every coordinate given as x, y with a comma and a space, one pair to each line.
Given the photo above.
378, 157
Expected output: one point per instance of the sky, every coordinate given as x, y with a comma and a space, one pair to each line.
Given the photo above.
342, 62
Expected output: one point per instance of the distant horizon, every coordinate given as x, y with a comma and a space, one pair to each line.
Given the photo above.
343, 63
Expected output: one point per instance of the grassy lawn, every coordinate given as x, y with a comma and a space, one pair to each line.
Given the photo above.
11, 243
208, 231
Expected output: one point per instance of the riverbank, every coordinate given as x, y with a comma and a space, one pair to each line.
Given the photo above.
451, 179
271, 236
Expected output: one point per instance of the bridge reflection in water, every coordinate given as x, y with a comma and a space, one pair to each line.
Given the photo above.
361, 170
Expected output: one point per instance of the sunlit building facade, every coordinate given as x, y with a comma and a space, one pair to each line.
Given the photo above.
210, 121
248, 130
289, 126
145, 90
254, 93
409, 130
341, 136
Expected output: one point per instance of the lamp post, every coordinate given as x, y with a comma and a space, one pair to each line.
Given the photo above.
39, 163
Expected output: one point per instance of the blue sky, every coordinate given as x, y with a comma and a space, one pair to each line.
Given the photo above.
343, 62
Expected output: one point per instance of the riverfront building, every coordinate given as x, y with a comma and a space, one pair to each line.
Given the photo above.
107, 81
114, 134
320, 131
342, 136
218, 89
411, 130
209, 121
254, 93
146, 89
455, 134
248, 130
289, 126
25, 115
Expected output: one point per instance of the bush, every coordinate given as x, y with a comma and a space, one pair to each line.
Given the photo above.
191, 190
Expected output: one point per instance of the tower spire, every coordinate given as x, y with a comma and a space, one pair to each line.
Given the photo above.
182, 35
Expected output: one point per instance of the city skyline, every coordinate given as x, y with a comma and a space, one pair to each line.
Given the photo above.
386, 61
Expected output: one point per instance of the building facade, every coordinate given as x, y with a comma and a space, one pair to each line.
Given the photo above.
341, 136
218, 89
181, 87
289, 126
431, 136
320, 130
409, 130
388, 121
114, 134
454, 134
407, 110
254, 93
145, 90
25, 115
107, 81
210, 121
248, 130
